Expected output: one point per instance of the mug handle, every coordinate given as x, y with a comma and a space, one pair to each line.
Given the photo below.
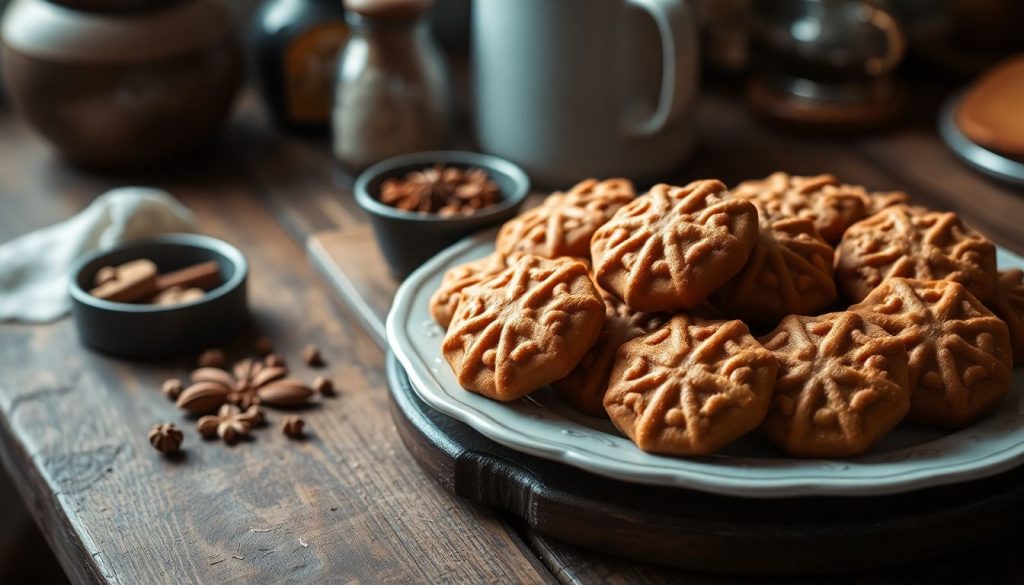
678, 34
895, 41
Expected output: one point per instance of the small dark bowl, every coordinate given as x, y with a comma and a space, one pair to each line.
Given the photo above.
140, 330
408, 239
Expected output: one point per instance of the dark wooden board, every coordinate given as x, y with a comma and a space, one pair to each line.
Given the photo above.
703, 531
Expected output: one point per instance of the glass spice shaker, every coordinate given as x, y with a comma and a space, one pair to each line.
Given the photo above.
391, 94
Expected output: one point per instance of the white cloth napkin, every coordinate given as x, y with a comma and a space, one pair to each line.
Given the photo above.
34, 268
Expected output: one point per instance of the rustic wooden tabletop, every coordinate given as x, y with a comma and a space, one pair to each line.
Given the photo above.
348, 505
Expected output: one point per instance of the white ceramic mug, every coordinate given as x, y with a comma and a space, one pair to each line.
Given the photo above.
575, 88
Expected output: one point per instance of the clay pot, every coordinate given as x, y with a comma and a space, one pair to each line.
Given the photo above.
121, 83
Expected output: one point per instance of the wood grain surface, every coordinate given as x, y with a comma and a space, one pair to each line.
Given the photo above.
349, 505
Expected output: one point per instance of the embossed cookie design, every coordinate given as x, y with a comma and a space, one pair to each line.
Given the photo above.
446, 298
523, 328
843, 383
788, 273
691, 387
828, 204
671, 247
565, 222
585, 386
1008, 304
912, 242
960, 356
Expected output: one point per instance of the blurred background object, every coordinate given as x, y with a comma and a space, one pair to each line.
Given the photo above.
295, 47
726, 28
449, 20
984, 125
121, 83
580, 88
392, 93
960, 37
827, 64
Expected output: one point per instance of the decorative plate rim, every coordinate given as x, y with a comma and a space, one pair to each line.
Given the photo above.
956, 457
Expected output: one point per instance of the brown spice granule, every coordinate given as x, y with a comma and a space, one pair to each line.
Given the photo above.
446, 191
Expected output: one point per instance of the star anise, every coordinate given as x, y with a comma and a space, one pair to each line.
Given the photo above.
238, 387
443, 190
230, 423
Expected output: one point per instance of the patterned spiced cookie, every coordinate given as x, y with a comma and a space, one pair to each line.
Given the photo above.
960, 356
913, 242
788, 273
585, 386
525, 327
830, 205
565, 222
691, 387
446, 299
1008, 304
843, 384
671, 247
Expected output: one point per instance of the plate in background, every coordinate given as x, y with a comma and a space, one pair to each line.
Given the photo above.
988, 162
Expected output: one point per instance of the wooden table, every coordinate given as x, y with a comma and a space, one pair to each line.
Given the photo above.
349, 505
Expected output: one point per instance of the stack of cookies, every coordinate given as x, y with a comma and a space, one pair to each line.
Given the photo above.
817, 312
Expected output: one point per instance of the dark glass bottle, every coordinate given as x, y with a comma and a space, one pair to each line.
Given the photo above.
296, 43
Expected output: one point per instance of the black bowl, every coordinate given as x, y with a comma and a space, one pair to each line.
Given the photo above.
141, 330
407, 238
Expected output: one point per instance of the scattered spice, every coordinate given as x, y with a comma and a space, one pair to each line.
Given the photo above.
230, 424
232, 398
212, 358
324, 386
171, 388
293, 426
166, 438
203, 397
446, 191
288, 392
311, 355
250, 376
207, 426
255, 416
213, 387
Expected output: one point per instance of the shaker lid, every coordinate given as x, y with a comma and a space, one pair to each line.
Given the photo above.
54, 32
389, 9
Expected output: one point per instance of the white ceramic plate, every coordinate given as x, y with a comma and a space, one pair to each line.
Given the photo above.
908, 458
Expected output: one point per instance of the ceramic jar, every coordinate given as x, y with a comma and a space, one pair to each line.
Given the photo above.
121, 83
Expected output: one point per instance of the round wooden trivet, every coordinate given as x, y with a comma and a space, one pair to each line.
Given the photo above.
702, 531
